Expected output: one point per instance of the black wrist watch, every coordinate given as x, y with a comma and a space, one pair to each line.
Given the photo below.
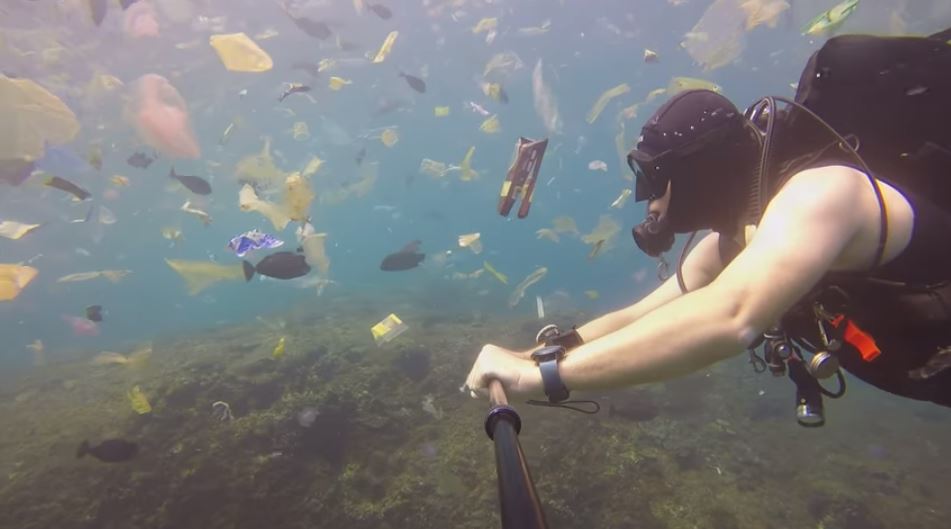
547, 359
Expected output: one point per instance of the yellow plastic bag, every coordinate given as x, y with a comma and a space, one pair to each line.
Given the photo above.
239, 53
31, 116
13, 279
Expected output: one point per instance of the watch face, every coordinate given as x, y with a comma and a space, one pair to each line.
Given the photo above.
552, 352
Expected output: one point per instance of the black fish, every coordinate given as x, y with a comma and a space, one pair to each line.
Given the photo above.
98, 8
404, 259
360, 156
94, 313
65, 185
414, 82
196, 185
280, 265
308, 67
381, 11
15, 172
503, 97
140, 160
294, 88
109, 451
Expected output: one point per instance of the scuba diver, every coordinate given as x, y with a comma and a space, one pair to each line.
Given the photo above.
829, 243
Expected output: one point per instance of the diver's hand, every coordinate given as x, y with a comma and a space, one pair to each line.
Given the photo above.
519, 376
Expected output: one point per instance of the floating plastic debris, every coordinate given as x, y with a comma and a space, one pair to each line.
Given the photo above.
433, 168
279, 350
592, 294
161, 118
621, 199
491, 125
13, 279
547, 233
202, 215
530, 280
441, 112
466, 173
248, 201
386, 47
597, 165
336, 83
604, 99
545, 104
680, 84
472, 242
12, 229
297, 197
32, 117
487, 266
540, 307
138, 400
650, 56
389, 137
221, 411
830, 20
239, 53
307, 417
429, 406
300, 131
388, 329
199, 275
112, 275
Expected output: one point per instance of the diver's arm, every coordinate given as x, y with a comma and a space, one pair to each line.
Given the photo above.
700, 267
803, 233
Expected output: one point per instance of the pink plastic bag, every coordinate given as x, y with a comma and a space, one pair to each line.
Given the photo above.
161, 118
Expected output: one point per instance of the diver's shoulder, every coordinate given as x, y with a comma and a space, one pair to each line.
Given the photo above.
828, 179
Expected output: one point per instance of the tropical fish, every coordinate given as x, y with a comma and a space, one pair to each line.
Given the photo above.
109, 451
294, 88
140, 160
381, 11
831, 20
67, 186
253, 240
94, 313
414, 82
314, 28
408, 257
195, 184
280, 265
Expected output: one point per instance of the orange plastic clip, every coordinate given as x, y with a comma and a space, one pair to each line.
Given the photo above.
861, 340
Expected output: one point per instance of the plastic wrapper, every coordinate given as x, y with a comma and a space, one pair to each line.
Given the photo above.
491, 125
565, 224
238, 53
441, 112
680, 84
248, 201
314, 246
336, 83
31, 118
545, 104
502, 278
604, 99
13, 279
297, 197
138, 401
386, 47
471, 241
530, 280
621, 199
12, 229
259, 169
199, 275
466, 172
114, 276
389, 137
502, 64
388, 329
161, 118
300, 131
433, 168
